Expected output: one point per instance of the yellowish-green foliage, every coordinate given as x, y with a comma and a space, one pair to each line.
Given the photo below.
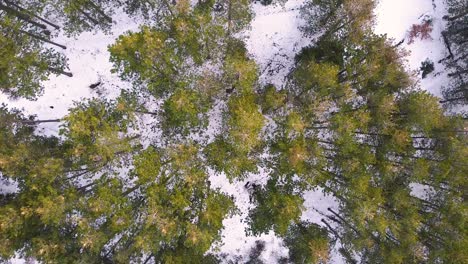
307, 243
277, 207
184, 110
272, 99
25, 64
173, 213
422, 112
245, 122
148, 57
241, 73
96, 132
128, 180
224, 157
147, 165
320, 78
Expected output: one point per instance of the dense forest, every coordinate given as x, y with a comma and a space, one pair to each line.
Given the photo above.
348, 119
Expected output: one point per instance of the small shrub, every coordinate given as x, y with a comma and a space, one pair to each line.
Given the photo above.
427, 67
421, 31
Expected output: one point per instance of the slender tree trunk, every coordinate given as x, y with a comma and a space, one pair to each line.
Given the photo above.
458, 73
424, 149
33, 122
146, 112
342, 219
78, 175
129, 191
113, 247
463, 57
148, 258
453, 99
22, 16
83, 190
38, 17
452, 18
333, 231
325, 142
229, 18
42, 39
88, 16
391, 238
317, 128
447, 44
59, 71
399, 43
99, 10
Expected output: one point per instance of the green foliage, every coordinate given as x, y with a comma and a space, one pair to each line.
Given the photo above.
307, 243
224, 157
271, 99
94, 131
277, 207
185, 110
319, 77
80, 16
351, 17
159, 59
188, 213
25, 63
245, 122
347, 121
422, 112
145, 57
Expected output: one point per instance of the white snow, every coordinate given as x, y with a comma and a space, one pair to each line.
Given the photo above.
275, 38
395, 18
89, 63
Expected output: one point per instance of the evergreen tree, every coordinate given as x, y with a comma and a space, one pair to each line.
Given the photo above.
307, 243
456, 41
25, 62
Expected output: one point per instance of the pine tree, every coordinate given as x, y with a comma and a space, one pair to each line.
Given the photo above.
307, 243
25, 62
456, 40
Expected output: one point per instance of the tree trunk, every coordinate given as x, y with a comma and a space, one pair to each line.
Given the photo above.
77, 175
447, 44
148, 258
99, 10
458, 73
331, 229
88, 16
229, 18
146, 112
33, 122
38, 17
453, 99
344, 221
22, 16
452, 18
59, 71
169, 8
399, 43
42, 39
463, 57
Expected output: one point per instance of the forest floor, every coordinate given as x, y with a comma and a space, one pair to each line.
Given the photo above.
273, 40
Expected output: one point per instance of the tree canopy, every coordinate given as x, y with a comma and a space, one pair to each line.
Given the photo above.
129, 179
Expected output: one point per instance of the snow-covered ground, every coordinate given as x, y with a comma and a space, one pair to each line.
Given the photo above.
273, 40
395, 18
89, 62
